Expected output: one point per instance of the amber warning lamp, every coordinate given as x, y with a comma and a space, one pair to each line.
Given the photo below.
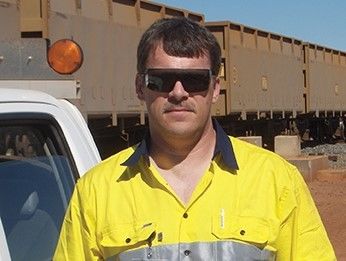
65, 56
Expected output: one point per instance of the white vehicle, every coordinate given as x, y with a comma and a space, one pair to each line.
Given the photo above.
45, 146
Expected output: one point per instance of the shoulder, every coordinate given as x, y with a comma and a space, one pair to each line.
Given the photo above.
265, 174
107, 170
260, 160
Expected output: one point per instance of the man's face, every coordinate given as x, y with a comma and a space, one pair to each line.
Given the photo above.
177, 112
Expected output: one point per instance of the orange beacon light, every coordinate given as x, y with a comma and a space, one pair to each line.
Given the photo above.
65, 56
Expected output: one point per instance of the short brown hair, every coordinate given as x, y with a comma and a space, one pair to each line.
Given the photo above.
180, 37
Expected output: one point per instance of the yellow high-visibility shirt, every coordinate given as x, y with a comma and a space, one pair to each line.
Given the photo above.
249, 205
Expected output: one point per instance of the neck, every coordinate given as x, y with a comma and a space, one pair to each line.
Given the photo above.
172, 151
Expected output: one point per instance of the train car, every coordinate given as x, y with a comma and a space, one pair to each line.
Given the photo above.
108, 33
271, 84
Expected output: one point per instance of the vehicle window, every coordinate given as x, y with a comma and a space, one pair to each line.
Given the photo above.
36, 182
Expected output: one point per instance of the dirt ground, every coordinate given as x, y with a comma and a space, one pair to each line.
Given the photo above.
330, 198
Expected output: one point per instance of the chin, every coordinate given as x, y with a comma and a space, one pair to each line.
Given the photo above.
181, 129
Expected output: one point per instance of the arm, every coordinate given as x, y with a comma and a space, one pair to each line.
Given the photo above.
77, 240
302, 236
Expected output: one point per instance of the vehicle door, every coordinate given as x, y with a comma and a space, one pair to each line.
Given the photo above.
37, 177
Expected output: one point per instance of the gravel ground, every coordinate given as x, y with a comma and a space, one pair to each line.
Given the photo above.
336, 154
330, 196
330, 199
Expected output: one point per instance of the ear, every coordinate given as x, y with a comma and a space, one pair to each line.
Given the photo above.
139, 86
216, 90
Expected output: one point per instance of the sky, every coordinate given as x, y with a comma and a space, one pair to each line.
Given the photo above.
321, 22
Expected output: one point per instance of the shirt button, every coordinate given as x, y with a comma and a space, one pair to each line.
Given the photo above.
128, 240
185, 215
242, 232
187, 252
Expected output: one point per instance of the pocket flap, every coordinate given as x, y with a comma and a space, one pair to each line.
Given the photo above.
249, 229
127, 235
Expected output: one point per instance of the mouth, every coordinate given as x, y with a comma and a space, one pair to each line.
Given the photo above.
178, 109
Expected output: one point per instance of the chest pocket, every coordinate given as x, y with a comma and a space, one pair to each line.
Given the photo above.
252, 230
126, 237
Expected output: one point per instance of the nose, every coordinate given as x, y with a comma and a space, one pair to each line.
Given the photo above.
178, 92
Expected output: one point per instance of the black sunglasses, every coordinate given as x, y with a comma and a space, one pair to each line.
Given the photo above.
163, 80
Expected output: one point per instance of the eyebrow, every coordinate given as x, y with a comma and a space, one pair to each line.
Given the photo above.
178, 70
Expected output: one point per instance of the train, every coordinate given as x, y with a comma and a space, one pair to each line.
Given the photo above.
271, 84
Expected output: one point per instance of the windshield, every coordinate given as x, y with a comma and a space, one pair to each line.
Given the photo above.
36, 182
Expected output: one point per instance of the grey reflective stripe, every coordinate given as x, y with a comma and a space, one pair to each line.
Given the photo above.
215, 251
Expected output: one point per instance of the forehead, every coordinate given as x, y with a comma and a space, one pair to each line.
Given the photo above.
158, 58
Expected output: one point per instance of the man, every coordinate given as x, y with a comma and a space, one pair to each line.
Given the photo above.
188, 191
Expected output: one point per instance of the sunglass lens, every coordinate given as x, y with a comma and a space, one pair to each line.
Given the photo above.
160, 82
196, 81
154, 83
163, 80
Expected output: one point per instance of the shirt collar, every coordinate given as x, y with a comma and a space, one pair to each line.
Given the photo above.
223, 147
142, 149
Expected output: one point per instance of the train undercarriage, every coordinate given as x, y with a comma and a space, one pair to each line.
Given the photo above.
312, 130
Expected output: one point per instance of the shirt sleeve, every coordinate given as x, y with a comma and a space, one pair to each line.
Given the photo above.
303, 229
77, 237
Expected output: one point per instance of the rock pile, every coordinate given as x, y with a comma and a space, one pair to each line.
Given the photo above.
336, 154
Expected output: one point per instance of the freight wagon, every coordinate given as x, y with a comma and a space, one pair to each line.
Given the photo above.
273, 83
108, 33
270, 83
